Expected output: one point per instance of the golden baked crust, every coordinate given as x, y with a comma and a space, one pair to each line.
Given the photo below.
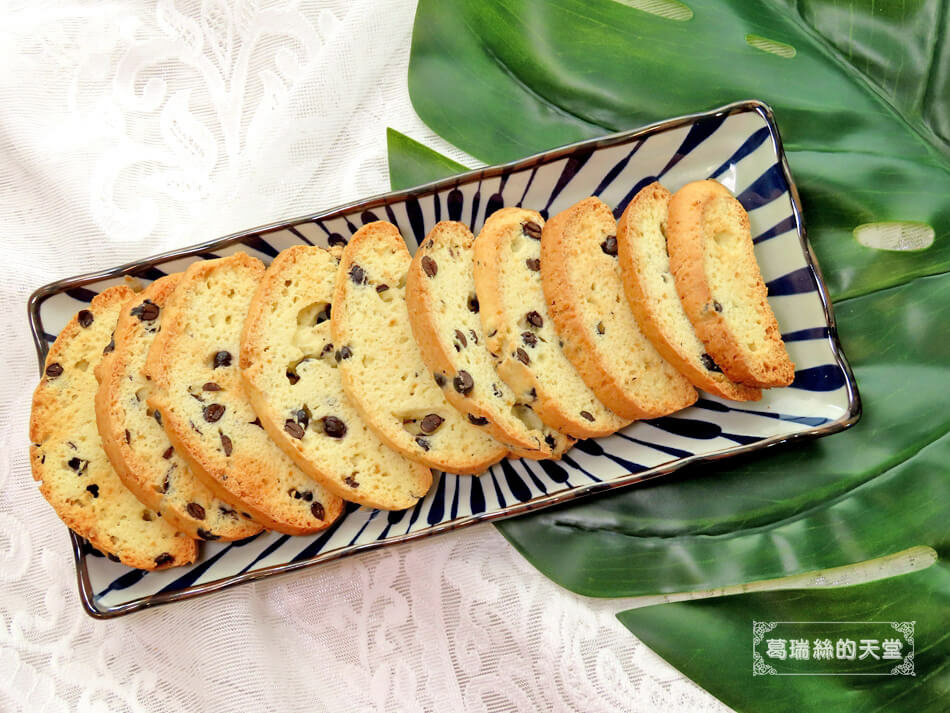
137, 445
293, 381
651, 294
383, 371
443, 312
719, 282
528, 353
215, 428
583, 288
67, 458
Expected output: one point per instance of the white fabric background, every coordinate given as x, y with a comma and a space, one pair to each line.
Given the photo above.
129, 128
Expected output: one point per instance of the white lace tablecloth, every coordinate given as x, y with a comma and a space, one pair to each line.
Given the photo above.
129, 128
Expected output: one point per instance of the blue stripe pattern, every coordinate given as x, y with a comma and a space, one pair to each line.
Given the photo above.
740, 145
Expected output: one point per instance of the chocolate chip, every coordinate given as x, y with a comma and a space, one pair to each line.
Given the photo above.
256, 422
222, 358
146, 312
600, 328
207, 535
168, 452
496, 391
357, 275
422, 442
522, 356
110, 347
382, 288
334, 239
532, 230
85, 318
77, 464
94, 489
213, 412
303, 416
333, 427
227, 511
477, 420
717, 306
588, 415
551, 441
327, 348
317, 511
293, 428
609, 246
54, 370
324, 314
307, 496
533, 263
194, 427
534, 319
344, 353
461, 339
292, 375
163, 559
473, 304
440, 380
166, 481
473, 335
195, 510
430, 423
128, 436
351, 481
709, 363
429, 266
149, 311
533, 393
226, 444
295, 494
463, 382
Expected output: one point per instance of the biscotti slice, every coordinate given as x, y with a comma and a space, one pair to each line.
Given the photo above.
651, 293
443, 312
202, 404
293, 381
67, 457
719, 282
137, 446
580, 274
528, 353
382, 368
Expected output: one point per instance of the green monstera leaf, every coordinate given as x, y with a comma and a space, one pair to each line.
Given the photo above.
711, 641
868, 492
860, 89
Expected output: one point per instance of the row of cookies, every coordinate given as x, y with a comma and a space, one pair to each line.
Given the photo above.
232, 398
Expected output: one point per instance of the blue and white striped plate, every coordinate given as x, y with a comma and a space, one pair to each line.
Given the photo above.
738, 144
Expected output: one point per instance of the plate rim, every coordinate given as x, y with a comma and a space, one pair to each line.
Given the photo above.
848, 419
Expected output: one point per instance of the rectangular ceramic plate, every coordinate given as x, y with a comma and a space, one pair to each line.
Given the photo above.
738, 144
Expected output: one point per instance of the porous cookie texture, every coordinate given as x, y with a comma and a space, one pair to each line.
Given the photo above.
67, 457
292, 377
651, 294
201, 401
580, 274
443, 312
719, 283
383, 371
529, 354
136, 444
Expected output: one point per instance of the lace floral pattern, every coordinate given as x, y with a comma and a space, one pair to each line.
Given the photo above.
131, 128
